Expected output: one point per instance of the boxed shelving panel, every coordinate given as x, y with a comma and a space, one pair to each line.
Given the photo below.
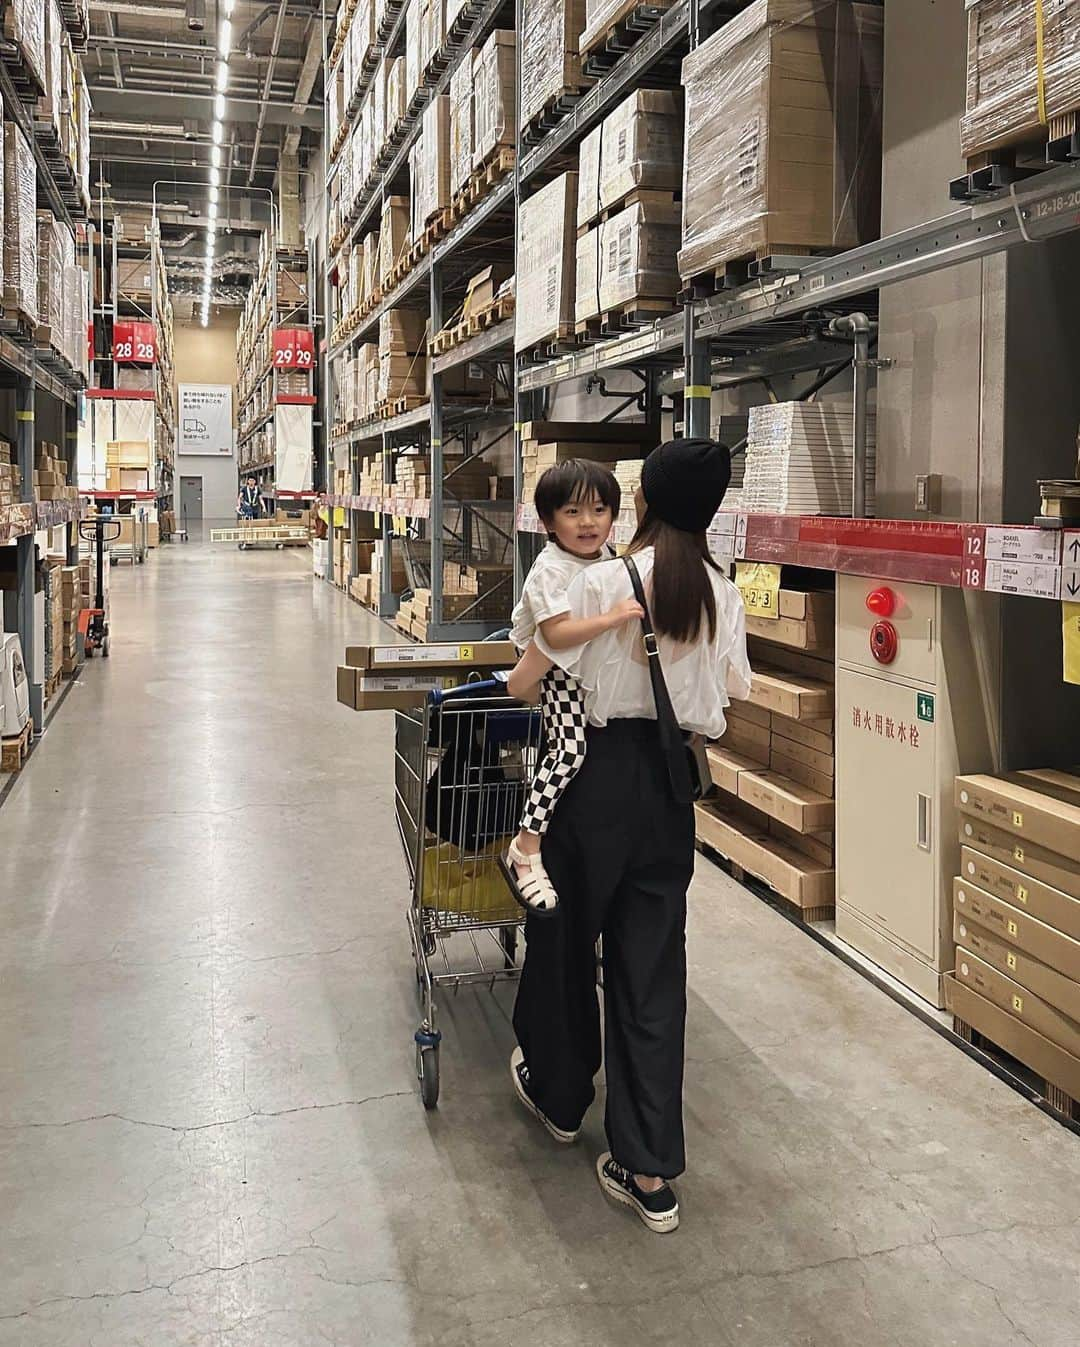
550, 63
783, 133
637, 146
628, 261
435, 157
20, 224
1005, 68
461, 122
494, 122
396, 97
546, 263
394, 235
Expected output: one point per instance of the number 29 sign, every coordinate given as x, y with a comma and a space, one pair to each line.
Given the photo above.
294, 348
134, 342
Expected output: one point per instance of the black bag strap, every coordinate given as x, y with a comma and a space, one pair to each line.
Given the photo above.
672, 740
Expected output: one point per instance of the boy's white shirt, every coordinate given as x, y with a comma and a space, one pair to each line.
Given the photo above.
544, 592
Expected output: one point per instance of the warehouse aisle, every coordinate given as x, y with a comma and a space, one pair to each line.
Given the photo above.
209, 1127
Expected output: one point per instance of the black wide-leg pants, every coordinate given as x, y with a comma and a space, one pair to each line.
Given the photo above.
620, 853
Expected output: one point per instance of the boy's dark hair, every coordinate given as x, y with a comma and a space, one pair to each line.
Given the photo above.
577, 479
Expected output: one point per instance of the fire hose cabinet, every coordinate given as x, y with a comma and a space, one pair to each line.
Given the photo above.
908, 719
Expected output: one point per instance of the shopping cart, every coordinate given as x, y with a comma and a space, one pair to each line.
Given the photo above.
462, 764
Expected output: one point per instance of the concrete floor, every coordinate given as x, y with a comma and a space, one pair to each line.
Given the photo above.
209, 1125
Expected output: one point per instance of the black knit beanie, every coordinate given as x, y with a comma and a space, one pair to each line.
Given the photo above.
683, 482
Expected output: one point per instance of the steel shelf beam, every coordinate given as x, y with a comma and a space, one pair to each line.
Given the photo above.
496, 200
497, 338
662, 338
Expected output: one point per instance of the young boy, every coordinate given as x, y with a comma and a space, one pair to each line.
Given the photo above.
578, 502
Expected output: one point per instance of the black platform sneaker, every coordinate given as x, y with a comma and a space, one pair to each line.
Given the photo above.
519, 1073
659, 1210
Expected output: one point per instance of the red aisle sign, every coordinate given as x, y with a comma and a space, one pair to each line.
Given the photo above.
134, 341
294, 348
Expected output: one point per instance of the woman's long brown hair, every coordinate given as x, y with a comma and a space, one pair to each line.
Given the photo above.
682, 592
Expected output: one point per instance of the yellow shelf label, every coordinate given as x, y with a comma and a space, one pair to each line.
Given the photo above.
759, 584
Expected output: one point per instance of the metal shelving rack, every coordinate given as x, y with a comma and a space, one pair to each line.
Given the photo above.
773, 325
427, 286
22, 370
164, 377
259, 389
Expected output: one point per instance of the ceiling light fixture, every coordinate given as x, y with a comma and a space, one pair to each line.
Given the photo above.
214, 194
217, 133
212, 211
225, 38
222, 81
215, 156
215, 177
219, 107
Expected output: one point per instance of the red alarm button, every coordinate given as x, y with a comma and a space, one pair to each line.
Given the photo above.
881, 601
883, 642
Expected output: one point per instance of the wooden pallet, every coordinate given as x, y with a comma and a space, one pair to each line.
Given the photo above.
482, 182
13, 751
625, 27
992, 171
629, 317
1056, 1098
492, 314
562, 341
28, 82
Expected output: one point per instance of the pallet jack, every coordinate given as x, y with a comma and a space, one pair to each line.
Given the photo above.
94, 622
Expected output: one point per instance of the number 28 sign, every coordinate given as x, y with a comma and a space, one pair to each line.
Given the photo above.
294, 348
134, 342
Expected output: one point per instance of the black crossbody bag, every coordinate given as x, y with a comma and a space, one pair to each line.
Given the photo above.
687, 765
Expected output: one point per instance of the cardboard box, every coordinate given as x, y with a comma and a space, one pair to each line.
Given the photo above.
1028, 808
1018, 928
435, 161
792, 632
550, 64
636, 147
745, 710
783, 133
1054, 987
1020, 890
494, 96
629, 260
795, 770
791, 695
482, 288
795, 876
1027, 1045
726, 766
747, 739
1017, 1001
546, 263
461, 124
789, 801
446, 656
641, 435
350, 693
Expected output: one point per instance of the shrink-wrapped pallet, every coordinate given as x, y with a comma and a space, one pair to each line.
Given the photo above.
413, 24
433, 32
393, 236
546, 263
461, 123
1011, 95
396, 100
550, 64
494, 124
435, 157
453, 10
382, 129
24, 25
78, 317
20, 223
335, 85
636, 147
50, 105
416, 190
82, 167
51, 262
602, 16
629, 257
783, 133
371, 264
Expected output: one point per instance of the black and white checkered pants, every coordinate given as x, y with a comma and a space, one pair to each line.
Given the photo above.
563, 708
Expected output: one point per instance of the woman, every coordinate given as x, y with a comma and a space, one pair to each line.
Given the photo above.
620, 848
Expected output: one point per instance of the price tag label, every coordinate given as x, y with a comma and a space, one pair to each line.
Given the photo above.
759, 584
294, 348
134, 342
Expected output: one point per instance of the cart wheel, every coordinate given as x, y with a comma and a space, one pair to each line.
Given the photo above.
280, 547
508, 938
427, 1064
241, 547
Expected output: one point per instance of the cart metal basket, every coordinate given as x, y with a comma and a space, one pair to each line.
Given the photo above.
462, 764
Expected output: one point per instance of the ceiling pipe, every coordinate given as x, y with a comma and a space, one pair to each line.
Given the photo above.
275, 45
152, 46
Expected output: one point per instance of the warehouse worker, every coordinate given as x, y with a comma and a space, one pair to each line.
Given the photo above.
249, 502
620, 847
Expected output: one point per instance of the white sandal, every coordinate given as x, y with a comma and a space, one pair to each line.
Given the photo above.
534, 891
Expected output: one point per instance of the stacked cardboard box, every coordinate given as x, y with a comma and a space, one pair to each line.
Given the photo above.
128, 465
20, 224
433, 192
546, 263
394, 235
51, 475
1016, 913
402, 358
396, 99
476, 591
494, 122
637, 147
73, 602
386, 678
1014, 46
8, 493
627, 262
463, 479
432, 32
783, 133
371, 476
774, 767
547, 443
550, 63
24, 27
54, 620
462, 82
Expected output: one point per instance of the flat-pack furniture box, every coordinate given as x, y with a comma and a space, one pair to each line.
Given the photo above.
550, 63
494, 121
435, 161
394, 235
783, 133
546, 263
1009, 65
629, 260
20, 224
637, 146
461, 123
